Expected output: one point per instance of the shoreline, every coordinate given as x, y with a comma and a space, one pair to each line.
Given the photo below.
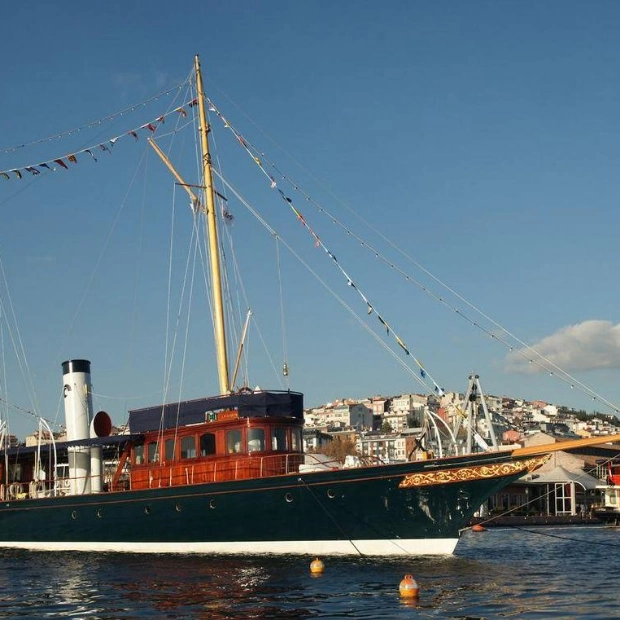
535, 520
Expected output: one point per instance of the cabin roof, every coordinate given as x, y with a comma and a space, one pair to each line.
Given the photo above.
112, 440
270, 403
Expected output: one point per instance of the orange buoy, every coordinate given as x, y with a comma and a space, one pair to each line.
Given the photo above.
478, 528
409, 587
316, 566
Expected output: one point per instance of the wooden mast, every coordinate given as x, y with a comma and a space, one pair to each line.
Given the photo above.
214, 256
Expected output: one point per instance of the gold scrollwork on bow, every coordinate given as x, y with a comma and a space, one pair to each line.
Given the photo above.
478, 472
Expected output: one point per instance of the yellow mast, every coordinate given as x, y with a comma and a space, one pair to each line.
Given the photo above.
214, 256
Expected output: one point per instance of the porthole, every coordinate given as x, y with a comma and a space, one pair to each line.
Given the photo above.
147, 510
178, 507
100, 513
288, 497
74, 514
212, 504
331, 493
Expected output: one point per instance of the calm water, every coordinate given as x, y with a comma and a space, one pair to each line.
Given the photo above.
500, 573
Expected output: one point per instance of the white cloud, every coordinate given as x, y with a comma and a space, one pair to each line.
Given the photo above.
584, 346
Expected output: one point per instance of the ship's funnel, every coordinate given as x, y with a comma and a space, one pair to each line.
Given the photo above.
78, 412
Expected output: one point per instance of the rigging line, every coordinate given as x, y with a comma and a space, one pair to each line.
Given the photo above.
332, 519
534, 500
171, 351
59, 402
515, 508
101, 254
131, 342
18, 408
235, 307
21, 188
122, 397
351, 515
173, 132
49, 166
168, 354
567, 378
203, 249
588, 541
4, 383
325, 285
26, 184
99, 121
235, 299
241, 291
232, 336
206, 273
234, 293
190, 292
277, 374
320, 243
71, 157
193, 247
16, 340
167, 345
282, 321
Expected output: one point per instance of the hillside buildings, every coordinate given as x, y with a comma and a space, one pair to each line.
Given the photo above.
391, 429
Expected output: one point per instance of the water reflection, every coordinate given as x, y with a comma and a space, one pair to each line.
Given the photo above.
218, 587
501, 574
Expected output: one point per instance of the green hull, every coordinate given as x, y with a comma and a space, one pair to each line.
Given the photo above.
363, 510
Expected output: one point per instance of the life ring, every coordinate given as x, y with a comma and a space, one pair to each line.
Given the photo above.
15, 490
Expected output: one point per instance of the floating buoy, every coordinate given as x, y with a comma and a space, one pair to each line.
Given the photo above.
316, 566
409, 587
478, 528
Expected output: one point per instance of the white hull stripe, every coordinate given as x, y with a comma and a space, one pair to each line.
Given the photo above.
395, 547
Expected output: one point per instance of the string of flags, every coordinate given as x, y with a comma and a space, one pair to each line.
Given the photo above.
99, 121
254, 154
563, 376
56, 163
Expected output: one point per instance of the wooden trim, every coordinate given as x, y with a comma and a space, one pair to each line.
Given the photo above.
571, 444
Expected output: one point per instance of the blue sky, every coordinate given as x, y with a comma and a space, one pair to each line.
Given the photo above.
481, 138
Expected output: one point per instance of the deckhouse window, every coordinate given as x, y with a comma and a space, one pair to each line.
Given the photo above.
278, 439
256, 439
15, 472
207, 444
296, 439
188, 447
233, 441
169, 450
138, 454
153, 452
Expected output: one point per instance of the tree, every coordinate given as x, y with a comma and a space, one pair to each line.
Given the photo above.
386, 428
339, 448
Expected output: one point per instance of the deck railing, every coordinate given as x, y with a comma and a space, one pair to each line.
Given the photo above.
214, 470
178, 473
